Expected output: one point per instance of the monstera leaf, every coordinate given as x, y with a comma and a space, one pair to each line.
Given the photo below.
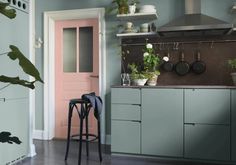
17, 80
27, 67
5, 137
10, 13
25, 64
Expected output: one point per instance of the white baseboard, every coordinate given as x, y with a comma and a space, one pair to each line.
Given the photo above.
32, 151
39, 135
108, 139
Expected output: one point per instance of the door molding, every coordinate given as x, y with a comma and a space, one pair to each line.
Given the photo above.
49, 62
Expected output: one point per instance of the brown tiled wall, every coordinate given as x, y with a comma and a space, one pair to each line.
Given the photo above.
215, 56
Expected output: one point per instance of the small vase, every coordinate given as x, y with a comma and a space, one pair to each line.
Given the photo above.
152, 81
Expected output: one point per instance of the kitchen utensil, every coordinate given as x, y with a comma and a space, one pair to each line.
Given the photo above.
198, 66
168, 65
182, 67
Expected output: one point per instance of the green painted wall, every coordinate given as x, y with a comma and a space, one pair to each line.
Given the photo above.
168, 10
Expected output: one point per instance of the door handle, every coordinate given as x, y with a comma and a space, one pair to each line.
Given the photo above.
94, 76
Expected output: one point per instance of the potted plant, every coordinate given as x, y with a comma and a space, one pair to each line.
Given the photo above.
138, 77
232, 64
122, 6
151, 63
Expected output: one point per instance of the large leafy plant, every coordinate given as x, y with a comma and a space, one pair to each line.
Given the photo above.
26, 66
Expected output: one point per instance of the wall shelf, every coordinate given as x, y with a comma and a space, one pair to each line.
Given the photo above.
137, 16
135, 34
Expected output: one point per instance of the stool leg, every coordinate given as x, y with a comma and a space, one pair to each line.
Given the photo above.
81, 133
86, 120
68, 130
99, 140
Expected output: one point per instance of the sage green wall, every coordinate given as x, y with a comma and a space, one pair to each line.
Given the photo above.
168, 10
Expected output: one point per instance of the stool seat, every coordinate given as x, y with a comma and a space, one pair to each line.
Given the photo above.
78, 101
83, 113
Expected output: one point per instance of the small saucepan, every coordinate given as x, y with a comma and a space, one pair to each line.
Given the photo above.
198, 66
182, 67
167, 65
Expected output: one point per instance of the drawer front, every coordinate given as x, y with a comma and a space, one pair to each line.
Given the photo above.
125, 95
125, 112
210, 142
208, 106
125, 137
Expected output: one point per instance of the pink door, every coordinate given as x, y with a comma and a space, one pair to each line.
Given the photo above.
77, 69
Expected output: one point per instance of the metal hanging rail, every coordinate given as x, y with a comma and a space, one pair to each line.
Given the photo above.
181, 42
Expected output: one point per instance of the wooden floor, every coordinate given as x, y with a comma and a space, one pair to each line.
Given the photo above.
52, 153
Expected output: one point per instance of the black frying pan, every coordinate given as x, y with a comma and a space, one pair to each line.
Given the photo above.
168, 65
198, 66
182, 67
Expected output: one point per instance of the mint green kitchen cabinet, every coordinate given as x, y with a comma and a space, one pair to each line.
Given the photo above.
207, 124
209, 106
211, 142
125, 120
162, 122
233, 127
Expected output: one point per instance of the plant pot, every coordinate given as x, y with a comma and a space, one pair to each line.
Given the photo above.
233, 77
152, 81
123, 9
139, 82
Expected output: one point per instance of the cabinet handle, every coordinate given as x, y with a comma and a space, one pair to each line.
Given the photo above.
190, 124
136, 104
136, 121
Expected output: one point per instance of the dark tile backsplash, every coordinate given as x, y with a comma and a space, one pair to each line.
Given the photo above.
214, 54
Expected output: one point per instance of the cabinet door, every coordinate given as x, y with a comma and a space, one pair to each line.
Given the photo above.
14, 118
125, 95
233, 128
209, 106
125, 136
162, 122
211, 142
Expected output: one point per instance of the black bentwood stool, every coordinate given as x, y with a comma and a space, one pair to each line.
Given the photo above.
83, 113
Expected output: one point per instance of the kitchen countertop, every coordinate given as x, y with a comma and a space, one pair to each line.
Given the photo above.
179, 86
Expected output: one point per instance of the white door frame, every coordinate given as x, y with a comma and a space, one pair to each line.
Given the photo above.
49, 63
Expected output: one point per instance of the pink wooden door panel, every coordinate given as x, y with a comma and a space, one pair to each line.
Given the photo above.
72, 83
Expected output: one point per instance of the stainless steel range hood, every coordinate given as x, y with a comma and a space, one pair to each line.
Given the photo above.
193, 20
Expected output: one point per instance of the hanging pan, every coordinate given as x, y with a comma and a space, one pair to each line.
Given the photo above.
198, 66
167, 65
182, 67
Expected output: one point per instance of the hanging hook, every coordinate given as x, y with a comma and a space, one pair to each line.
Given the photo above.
212, 42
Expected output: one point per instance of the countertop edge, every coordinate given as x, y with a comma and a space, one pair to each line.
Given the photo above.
179, 86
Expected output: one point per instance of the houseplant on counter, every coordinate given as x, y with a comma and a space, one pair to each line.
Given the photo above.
232, 64
138, 77
151, 63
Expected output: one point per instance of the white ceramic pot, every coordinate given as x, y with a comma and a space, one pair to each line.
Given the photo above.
139, 82
233, 77
152, 81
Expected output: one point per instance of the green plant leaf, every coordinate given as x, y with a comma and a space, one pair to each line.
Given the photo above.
17, 80
25, 64
10, 13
